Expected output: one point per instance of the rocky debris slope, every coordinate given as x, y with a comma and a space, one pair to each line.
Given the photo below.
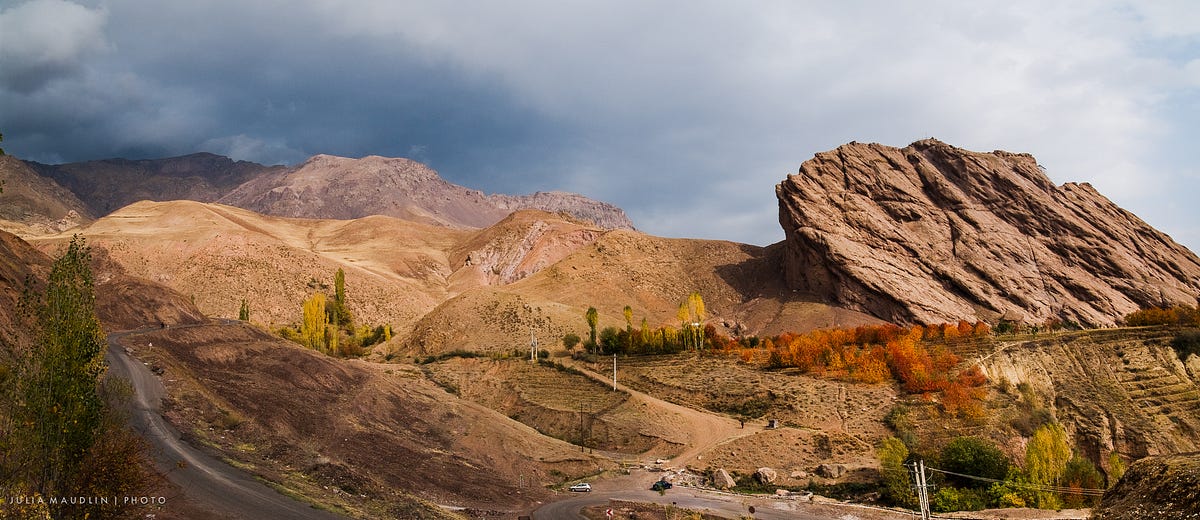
1155, 487
33, 204
326, 186
933, 233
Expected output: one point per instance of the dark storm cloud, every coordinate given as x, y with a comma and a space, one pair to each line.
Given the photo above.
684, 113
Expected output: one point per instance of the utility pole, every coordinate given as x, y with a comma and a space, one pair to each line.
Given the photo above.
614, 372
922, 488
532, 346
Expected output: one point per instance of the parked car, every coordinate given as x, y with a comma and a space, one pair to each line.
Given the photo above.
660, 485
582, 487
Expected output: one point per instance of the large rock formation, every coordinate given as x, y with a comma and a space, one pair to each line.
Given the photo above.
932, 233
326, 186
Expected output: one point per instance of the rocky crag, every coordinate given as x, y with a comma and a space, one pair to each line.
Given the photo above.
932, 233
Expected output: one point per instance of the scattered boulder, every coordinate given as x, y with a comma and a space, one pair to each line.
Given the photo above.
722, 479
766, 476
831, 470
799, 474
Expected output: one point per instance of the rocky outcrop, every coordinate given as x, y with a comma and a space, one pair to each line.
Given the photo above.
1155, 487
326, 186
932, 233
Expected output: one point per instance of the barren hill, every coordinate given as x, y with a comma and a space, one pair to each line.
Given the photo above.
933, 233
380, 441
326, 186
438, 286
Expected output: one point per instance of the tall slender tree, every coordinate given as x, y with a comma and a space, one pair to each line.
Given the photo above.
312, 329
60, 404
593, 317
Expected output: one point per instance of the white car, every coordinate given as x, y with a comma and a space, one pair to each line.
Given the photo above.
582, 487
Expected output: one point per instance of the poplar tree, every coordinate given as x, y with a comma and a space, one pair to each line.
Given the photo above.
60, 406
593, 318
628, 311
1046, 458
244, 312
312, 329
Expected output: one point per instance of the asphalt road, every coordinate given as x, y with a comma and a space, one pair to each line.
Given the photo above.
217, 486
630, 489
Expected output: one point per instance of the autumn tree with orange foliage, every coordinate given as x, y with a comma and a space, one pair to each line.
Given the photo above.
874, 354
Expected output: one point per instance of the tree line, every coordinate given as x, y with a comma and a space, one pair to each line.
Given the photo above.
972, 473
692, 333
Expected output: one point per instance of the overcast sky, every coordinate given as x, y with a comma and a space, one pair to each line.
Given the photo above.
686, 114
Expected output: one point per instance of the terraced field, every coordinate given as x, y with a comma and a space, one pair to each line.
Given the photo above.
556, 401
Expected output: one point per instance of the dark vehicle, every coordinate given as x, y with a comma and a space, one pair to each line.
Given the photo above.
661, 485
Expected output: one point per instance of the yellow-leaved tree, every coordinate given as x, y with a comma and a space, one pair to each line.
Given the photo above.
1046, 458
312, 329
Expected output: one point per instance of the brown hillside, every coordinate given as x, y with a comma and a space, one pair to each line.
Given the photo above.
219, 255
34, 205
20, 264
932, 233
369, 438
739, 284
451, 288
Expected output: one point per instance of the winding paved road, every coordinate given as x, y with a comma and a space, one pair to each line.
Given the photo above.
212, 483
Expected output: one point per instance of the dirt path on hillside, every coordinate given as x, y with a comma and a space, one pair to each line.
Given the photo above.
705, 430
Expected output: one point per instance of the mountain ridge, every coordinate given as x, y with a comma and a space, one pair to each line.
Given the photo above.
323, 187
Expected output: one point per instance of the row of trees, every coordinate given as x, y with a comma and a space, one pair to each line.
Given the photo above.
1053, 476
692, 333
63, 432
1182, 316
327, 325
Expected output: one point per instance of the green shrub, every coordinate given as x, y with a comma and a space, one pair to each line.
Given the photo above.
949, 499
973, 456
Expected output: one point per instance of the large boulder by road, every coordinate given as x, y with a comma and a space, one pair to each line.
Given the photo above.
766, 476
722, 480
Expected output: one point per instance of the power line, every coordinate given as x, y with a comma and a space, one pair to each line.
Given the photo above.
1054, 489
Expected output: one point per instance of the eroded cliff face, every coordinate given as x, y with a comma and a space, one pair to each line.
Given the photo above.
932, 233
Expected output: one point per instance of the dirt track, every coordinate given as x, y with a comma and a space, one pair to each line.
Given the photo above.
210, 483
